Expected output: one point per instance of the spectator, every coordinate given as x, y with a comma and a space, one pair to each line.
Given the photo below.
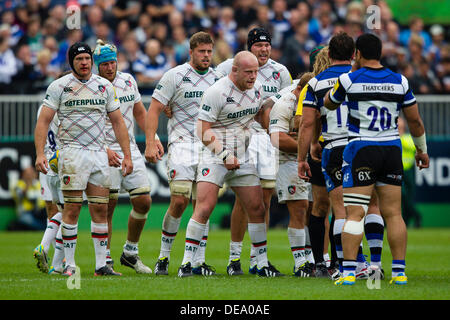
181, 4
279, 18
8, 66
415, 51
263, 19
340, 10
33, 36
103, 32
141, 31
390, 45
123, 29
245, 13
159, 10
93, 17
56, 63
446, 74
424, 80
227, 27
192, 22
180, 44
132, 52
25, 71
30, 208
437, 36
211, 18
151, 66
127, 10
222, 52
43, 74
415, 28
16, 32
296, 51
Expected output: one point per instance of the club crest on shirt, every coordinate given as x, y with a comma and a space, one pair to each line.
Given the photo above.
276, 75
172, 173
128, 83
205, 172
257, 94
102, 88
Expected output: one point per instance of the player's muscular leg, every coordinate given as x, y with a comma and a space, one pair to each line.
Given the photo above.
353, 230
239, 220
321, 204
337, 203
111, 206
267, 197
141, 206
253, 204
98, 198
389, 198
178, 204
297, 213
373, 205
51, 209
206, 201
73, 201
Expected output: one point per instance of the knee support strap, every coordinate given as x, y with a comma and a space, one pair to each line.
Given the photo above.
181, 188
113, 194
268, 184
354, 227
354, 199
139, 192
137, 215
98, 200
73, 199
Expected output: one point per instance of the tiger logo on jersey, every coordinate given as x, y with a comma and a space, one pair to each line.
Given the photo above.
102, 88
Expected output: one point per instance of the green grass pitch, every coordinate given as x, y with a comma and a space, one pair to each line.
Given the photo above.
427, 266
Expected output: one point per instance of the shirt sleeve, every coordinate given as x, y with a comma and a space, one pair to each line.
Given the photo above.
337, 94
409, 99
137, 94
279, 117
310, 99
286, 79
52, 96
165, 89
112, 103
301, 98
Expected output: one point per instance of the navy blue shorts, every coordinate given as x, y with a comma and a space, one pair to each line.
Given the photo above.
332, 167
369, 162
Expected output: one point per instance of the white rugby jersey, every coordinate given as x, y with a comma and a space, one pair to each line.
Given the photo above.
181, 88
82, 108
231, 112
52, 143
283, 91
282, 118
127, 93
334, 123
273, 77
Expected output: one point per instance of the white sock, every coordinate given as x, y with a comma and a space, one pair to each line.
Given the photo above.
51, 231
99, 233
58, 257
130, 248
308, 249
297, 243
326, 258
194, 234
258, 236
69, 236
169, 231
337, 234
235, 250
199, 258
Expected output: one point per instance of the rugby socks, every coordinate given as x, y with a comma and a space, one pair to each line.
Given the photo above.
130, 248
69, 237
349, 268
194, 234
170, 227
337, 235
58, 257
398, 267
99, 233
108, 256
374, 230
317, 236
199, 258
235, 250
51, 231
258, 237
297, 243
308, 249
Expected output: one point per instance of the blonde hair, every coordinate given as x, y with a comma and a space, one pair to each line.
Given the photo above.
322, 61
304, 79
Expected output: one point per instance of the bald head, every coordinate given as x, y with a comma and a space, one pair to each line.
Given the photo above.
244, 70
244, 59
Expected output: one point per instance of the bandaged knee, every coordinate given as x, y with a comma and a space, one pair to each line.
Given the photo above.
113, 194
139, 192
98, 200
73, 199
181, 188
268, 184
353, 199
138, 216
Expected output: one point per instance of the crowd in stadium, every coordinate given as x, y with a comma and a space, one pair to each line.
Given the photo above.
152, 37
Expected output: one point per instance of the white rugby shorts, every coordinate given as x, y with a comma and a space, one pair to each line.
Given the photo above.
77, 167
289, 186
245, 176
182, 161
137, 179
264, 156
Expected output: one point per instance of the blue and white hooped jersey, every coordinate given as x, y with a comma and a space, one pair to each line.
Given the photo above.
374, 98
334, 123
